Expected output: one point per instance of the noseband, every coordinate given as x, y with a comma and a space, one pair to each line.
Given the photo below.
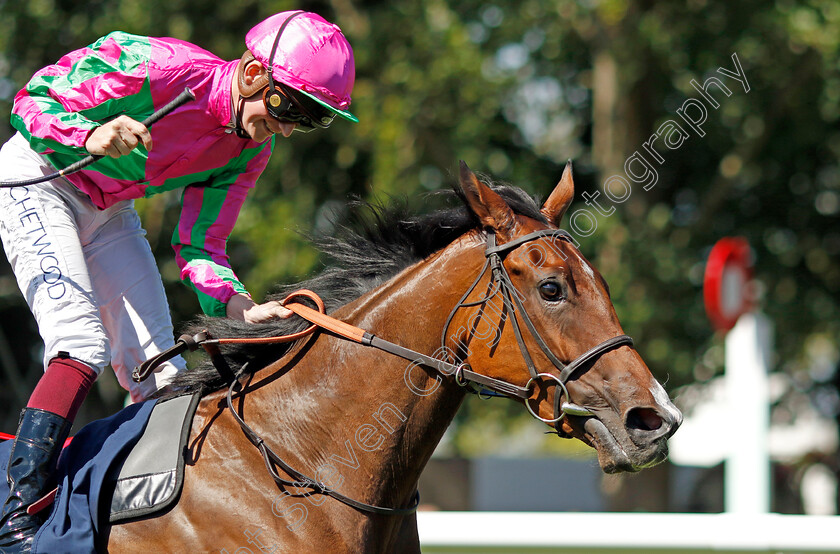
500, 283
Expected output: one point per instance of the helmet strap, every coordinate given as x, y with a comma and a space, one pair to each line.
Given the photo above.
270, 69
240, 131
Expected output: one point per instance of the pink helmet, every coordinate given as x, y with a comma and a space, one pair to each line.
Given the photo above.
311, 55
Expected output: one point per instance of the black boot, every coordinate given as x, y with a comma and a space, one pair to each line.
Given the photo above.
35, 451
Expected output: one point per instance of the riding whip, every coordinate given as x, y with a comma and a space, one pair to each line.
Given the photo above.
179, 101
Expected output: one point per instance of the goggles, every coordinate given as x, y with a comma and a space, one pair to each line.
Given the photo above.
283, 104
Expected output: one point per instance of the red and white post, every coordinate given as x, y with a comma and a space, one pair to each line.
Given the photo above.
728, 295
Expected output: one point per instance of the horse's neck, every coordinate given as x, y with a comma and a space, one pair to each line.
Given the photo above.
366, 418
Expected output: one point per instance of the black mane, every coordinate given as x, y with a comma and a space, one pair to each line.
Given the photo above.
371, 246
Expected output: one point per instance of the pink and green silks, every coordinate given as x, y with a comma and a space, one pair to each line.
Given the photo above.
194, 148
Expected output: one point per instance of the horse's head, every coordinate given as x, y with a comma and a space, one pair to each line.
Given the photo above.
546, 324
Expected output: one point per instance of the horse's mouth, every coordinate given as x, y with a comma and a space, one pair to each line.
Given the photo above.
615, 458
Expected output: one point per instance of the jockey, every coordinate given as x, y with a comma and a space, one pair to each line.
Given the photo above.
76, 245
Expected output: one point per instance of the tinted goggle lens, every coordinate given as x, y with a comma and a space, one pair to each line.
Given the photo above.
282, 104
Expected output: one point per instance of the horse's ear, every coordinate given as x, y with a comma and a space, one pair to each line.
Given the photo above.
491, 209
560, 198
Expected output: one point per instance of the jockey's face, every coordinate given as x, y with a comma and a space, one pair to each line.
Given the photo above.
257, 122
255, 119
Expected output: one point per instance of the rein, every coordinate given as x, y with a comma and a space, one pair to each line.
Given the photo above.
463, 374
299, 480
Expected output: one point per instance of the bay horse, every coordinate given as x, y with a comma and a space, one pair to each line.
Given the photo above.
494, 291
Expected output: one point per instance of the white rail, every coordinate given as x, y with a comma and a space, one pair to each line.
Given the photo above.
621, 533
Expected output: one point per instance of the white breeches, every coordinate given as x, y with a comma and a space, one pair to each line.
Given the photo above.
88, 274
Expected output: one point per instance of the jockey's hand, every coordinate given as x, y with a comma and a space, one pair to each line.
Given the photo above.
243, 308
118, 137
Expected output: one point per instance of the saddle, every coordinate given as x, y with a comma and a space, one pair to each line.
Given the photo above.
127, 466
153, 473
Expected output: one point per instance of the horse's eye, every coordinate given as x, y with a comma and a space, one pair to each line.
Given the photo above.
551, 291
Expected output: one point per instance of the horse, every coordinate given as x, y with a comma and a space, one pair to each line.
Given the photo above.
488, 295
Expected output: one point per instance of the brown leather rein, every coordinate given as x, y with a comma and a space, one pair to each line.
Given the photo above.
319, 319
463, 374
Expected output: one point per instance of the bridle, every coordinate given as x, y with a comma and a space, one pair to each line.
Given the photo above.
462, 373
501, 284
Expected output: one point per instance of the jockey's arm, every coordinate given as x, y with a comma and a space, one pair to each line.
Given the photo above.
243, 308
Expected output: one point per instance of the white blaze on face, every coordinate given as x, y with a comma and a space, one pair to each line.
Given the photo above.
661, 398
585, 265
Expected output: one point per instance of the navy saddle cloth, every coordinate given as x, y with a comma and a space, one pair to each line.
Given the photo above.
126, 466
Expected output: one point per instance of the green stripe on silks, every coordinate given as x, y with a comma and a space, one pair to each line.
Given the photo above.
213, 200
131, 166
210, 305
224, 175
133, 61
135, 52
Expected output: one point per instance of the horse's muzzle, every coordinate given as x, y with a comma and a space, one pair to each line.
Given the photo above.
639, 442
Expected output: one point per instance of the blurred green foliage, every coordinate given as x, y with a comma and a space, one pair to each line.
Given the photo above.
515, 88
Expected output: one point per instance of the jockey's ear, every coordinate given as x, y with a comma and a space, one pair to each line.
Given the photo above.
251, 76
490, 208
560, 198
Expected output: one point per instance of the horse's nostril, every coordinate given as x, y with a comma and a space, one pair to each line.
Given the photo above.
643, 419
